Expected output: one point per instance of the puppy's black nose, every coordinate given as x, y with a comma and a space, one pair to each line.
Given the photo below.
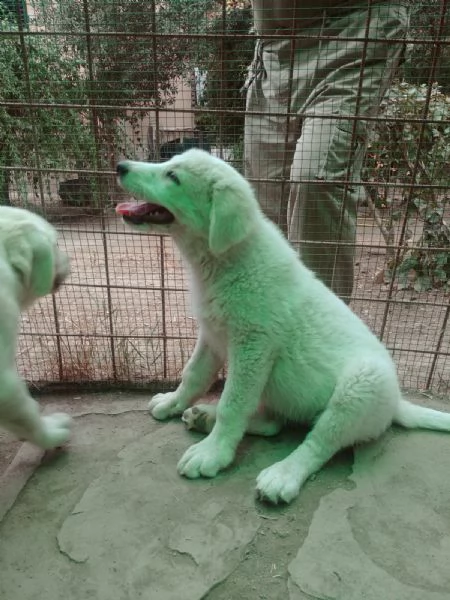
122, 169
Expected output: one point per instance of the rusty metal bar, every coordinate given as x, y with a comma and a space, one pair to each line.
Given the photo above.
383, 184
157, 106
222, 76
95, 126
37, 159
163, 303
206, 36
58, 338
189, 338
198, 110
156, 288
168, 109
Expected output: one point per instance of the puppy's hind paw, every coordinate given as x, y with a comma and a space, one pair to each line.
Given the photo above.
200, 417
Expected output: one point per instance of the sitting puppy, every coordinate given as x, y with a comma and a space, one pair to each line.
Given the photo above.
291, 345
31, 266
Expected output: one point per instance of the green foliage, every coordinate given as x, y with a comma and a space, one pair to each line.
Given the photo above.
129, 66
57, 137
425, 25
125, 68
394, 155
430, 268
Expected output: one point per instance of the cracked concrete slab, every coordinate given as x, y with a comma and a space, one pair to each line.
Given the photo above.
109, 518
389, 537
164, 551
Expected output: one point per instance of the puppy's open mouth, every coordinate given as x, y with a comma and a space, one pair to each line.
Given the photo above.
138, 213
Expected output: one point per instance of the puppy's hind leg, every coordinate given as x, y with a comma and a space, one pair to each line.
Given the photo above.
361, 408
198, 376
202, 417
19, 413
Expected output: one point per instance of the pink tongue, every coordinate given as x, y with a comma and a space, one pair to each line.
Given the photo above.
129, 209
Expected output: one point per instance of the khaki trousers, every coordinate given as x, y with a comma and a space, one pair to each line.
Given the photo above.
305, 168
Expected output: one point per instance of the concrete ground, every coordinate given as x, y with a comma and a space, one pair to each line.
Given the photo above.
108, 518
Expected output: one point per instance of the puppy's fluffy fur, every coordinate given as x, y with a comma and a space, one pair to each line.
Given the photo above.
31, 266
291, 345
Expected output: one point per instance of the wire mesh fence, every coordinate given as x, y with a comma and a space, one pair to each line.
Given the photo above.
341, 123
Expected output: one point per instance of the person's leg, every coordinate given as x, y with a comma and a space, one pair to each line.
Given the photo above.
350, 80
269, 138
322, 208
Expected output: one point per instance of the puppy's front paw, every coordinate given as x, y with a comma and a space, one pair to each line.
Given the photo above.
205, 459
278, 483
163, 406
55, 431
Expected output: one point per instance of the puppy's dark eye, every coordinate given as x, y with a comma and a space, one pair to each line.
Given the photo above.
173, 176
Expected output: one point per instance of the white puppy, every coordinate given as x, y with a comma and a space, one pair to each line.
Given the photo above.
291, 345
31, 266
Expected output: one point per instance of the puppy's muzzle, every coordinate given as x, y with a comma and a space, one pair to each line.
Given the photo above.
140, 213
122, 170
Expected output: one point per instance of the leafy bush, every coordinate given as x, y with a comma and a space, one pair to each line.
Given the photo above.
132, 70
39, 71
425, 25
394, 156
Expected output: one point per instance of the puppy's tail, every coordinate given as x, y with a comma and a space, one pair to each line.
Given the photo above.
413, 416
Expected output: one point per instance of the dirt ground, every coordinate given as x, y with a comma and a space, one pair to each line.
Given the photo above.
124, 315
108, 517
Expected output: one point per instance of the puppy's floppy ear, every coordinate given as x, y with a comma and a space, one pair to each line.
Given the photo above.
33, 258
233, 213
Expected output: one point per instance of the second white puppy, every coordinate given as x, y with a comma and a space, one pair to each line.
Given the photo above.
31, 266
290, 343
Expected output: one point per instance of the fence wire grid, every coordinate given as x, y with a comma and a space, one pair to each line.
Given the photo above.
85, 83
